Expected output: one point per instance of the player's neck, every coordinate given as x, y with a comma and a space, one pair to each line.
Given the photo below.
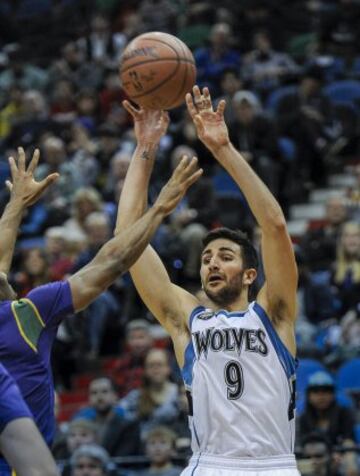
240, 304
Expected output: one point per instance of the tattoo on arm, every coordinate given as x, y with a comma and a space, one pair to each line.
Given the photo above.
145, 155
148, 152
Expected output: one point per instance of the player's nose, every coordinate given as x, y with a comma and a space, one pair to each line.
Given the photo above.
213, 264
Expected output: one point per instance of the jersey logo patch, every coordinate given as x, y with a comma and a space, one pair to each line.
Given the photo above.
204, 316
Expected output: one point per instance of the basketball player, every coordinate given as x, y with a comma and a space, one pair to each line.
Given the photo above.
237, 357
20, 440
28, 326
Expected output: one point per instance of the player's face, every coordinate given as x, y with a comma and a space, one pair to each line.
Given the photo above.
101, 395
86, 466
222, 271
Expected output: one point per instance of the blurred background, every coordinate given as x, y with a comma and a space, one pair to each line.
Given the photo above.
290, 73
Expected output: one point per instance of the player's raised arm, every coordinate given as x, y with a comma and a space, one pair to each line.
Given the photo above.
24, 191
166, 301
116, 256
279, 294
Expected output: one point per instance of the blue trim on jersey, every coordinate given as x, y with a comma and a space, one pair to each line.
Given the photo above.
186, 371
231, 313
288, 362
193, 314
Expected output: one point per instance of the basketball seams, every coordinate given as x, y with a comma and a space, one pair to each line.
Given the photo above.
158, 59
165, 80
140, 63
181, 65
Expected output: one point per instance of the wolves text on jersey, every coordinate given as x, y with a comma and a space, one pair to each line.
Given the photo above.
228, 339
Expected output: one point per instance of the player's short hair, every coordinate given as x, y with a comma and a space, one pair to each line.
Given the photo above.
248, 251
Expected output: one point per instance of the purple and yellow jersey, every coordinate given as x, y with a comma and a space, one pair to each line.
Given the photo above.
12, 407
28, 328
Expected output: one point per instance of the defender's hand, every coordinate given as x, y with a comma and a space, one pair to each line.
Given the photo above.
23, 186
150, 125
185, 174
210, 125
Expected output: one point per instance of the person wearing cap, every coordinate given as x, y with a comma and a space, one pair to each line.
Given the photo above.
90, 460
324, 415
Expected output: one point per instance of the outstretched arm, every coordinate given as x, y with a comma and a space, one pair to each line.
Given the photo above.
279, 293
25, 191
120, 253
170, 304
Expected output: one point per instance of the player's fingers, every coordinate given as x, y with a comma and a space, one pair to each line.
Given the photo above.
193, 178
191, 167
130, 109
48, 181
221, 107
199, 124
165, 116
21, 159
13, 167
190, 105
34, 161
9, 185
207, 98
179, 170
197, 94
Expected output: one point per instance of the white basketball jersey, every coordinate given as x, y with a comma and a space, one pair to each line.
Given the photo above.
241, 383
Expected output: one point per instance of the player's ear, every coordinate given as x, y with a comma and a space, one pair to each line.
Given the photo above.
249, 276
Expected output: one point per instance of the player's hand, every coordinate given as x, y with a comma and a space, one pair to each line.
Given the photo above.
150, 124
210, 125
23, 185
185, 174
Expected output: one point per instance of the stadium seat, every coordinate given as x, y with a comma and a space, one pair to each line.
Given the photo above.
224, 184
348, 376
288, 148
306, 368
345, 91
357, 433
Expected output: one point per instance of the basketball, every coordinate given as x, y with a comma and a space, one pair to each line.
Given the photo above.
157, 70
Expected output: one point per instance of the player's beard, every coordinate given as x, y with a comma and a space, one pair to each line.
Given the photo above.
229, 293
